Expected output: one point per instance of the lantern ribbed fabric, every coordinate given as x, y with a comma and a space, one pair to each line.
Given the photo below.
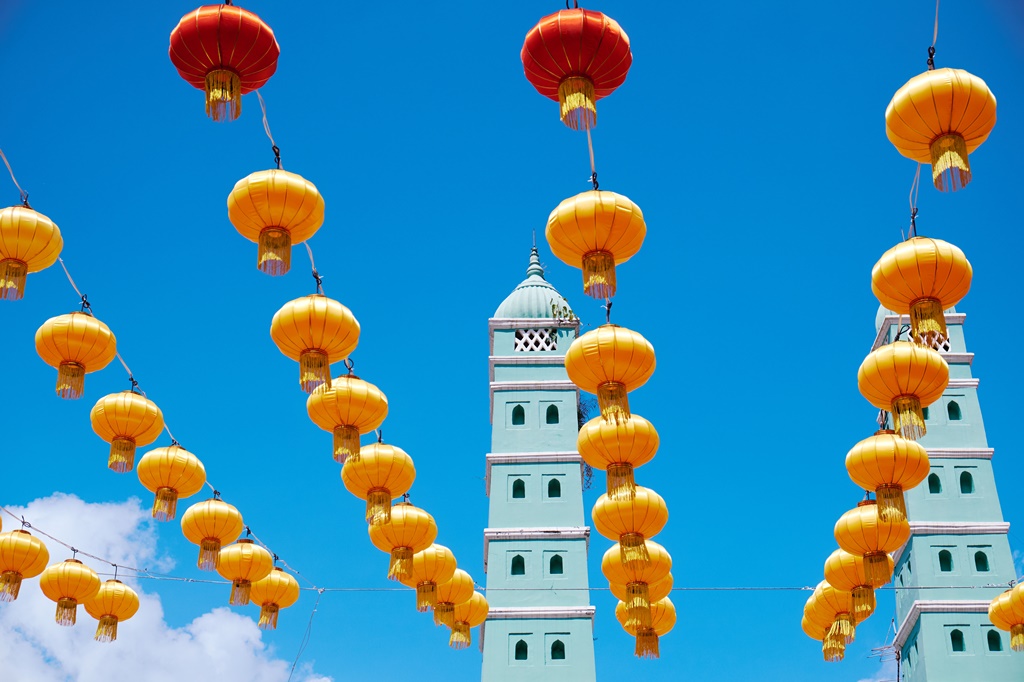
837, 606
888, 465
29, 242
378, 474
655, 591
69, 583
457, 590
845, 571
430, 567
631, 521
637, 579
76, 344
113, 603
902, 378
595, 231
348, 407
1007, 613
938, 118
316, 331
576, 57
663, 619
409, 530
276, 209
278, 590
171, 473
817, 624
610, 361
922, 277
126, 420
618, 447
211, 524
226, 51
22, 555
465, 616
243, 563
863, 533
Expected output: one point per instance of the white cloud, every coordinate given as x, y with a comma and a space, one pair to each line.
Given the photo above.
220, 645
886, 674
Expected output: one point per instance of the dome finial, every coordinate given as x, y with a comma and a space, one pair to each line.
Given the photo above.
535, 267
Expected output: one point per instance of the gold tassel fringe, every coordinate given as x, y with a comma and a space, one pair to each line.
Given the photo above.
401, 564
274, 255
638, 606
106, 631
577, 103
461, 636
13, 275
209, 554
426, 596
67, 610
122, 455
928, 323
268, 616
346, 443
908, 418
633, 551
863, 602
621, 485
70, 380
599, 275
843, 626
646, 643
165, 505
614, 402
223, 95
10, 585
443, 613
951, 170
1017, 638
314, 371
876, 569
240, 592
378, 506
833, 648
892, 508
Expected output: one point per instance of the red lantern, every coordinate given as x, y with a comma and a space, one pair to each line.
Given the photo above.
576, 57
226, 51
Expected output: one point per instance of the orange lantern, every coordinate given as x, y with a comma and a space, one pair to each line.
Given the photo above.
458, 590
576, 57
939, 117
316, 331
126, 420
275, 209
114, 603
431, 567
21, 556
596, 231
467, 615
29, 242
631, 521
902, 378
76, 344
862, 532
69, 583
618, 447
846, 572
637, 579
663, 619
817, 624
211, 525
378, 474
656, 591
1007, 613
171, 473
348, 407
610, 361
921, 277
243, 563
887, 465
226, 51
837, 605
277, 591
408, 531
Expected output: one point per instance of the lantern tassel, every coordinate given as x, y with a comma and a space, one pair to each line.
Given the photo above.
223, 95
863, 601
346, 443
13, 275
240, 592
928, 323
621, 485
892, 508
401, 564
577, 103
314, 370
461, 636
908, 418
165, 504
426, 595
67, 610
268, 616
106, 631
1017, 637
646, 643
122, 455
378, 506
638, 605
599, 275
614, 403
843, 627
951, 170
833, 648
274, 252
70, 380
209, 554
633, 551
10, 585
876, 569
443, 613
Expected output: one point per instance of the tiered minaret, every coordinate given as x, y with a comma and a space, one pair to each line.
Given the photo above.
958, 541
540, 625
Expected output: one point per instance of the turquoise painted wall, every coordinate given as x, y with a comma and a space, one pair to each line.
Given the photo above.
539, 635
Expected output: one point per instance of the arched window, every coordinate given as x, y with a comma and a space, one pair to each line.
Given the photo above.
554, 488
518, 415
518, 565
551, 417
995, 641
934, 484
956, 638
924, 413
518, 489
953, 410
522, 651
558, 650
945, 561
966, 483
981, 562
555, 565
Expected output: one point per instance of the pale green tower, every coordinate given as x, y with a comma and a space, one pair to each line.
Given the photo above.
958, 538
540, 625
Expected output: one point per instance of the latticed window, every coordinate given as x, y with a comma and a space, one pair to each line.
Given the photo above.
535, 339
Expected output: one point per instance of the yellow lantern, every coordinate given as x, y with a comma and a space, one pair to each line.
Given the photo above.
244, 563
431, 567
838, 605
275, 209
596, 231
348, 407
656, 591
846, 572
637, 579
817, 624
211, 525
902, 378
631, 521
69, 583
610, 361
1007, 613
114, 603
126, 420
76, 344
171, 473
409, 530
29, 242
458, 590
315, 331
378, 474
21, 556
921, 277
277, 591
618, 448
888, 465
467, 615
663, 619
862, 532
939, 117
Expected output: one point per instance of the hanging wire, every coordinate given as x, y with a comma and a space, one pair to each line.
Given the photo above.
593, 169
316, 275
915, 187
24, 194
307, 635
266, 128
935, 39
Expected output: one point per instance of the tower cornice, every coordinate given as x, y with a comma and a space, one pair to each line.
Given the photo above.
535, 533
935, 606
924, 528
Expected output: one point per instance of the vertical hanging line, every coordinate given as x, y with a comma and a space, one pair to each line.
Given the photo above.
24, 194
935, 39
316, 275
607, 311
266, 129
914, 189
590, 148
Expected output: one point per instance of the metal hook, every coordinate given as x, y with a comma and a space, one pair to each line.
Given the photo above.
607, 311
277, 155
380, 435
931, 58
349, 364
593, 179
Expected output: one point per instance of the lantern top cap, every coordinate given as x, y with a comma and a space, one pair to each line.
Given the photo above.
533, 297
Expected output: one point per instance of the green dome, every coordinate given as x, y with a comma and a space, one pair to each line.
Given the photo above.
533, 297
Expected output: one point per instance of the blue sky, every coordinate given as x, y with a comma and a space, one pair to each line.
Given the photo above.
751, 135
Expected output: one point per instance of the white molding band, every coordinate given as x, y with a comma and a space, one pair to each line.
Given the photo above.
959, 358
538, 533
926, 528
551, 385
531, 323
529, 458
540, 612
889, 320
935, 606
963, 383
961, 453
